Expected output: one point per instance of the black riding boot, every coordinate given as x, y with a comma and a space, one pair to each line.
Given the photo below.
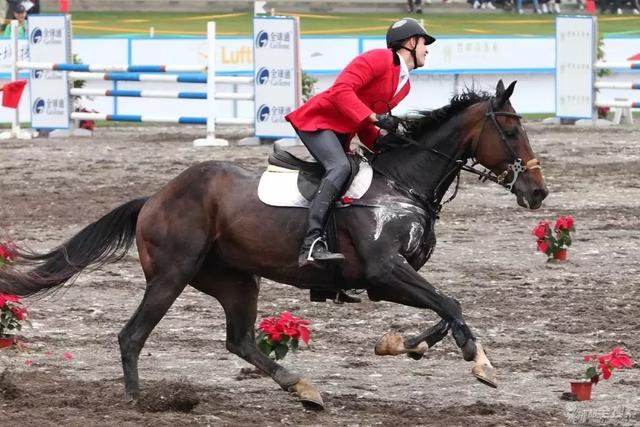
314, 247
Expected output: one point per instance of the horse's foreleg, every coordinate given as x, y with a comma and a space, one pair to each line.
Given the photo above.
398, 282
431, 336
238, 294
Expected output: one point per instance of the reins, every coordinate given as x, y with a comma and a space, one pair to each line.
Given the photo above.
517, 167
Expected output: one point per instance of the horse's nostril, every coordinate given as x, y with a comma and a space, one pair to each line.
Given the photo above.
540, 193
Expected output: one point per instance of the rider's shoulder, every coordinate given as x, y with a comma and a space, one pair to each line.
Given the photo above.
377, 54
378, 59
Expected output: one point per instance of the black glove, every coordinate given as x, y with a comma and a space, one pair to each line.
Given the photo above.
389, 142
387, 122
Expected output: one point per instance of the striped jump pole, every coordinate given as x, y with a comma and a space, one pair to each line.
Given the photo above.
113, 68
178, 78
160, 119
139, 77
623, 106
617, 104
160, 94
603, 65
614, 85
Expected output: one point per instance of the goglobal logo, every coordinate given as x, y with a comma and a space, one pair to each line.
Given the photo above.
38, 106
36, 35
262, 39
262, 76
263, 113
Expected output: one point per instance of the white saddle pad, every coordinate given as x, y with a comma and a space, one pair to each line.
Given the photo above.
279, 186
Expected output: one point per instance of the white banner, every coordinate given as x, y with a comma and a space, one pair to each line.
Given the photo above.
276, 73
469, 55
49, 42
575, 56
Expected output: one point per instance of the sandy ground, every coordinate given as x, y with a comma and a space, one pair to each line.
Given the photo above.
536, 319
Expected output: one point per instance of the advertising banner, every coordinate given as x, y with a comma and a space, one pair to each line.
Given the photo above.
276, 74
575, 56
472, 55
49, 42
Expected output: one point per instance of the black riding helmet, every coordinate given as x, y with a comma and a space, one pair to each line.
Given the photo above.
403, 29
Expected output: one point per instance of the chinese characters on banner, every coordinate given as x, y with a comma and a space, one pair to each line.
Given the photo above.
49, 42
575, 55
276, 74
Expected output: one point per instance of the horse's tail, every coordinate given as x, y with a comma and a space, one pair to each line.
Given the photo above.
104, 241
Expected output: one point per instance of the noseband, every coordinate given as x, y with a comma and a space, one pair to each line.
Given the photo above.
516, 167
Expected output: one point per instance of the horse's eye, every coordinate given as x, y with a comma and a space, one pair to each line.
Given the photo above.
511, 133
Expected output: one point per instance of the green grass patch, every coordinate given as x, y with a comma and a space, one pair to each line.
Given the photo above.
240, 24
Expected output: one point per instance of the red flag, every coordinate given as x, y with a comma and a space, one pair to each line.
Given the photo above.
12, 92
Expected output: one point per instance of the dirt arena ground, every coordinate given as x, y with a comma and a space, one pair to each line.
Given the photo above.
536, 319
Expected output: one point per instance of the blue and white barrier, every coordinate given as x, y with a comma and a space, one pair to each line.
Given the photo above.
113, 68
633, 65
157, 73
143, 93
139, 77
160, 119
617, 85
622, 105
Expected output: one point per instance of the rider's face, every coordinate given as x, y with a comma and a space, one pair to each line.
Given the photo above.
421, 52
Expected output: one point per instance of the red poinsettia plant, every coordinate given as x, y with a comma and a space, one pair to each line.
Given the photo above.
604, 365
12, 315
278, 335
12, 312
551, 241
7, 253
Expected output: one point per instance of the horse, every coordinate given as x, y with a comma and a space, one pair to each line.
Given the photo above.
207, 228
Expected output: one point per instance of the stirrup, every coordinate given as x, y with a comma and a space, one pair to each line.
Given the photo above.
313, 245
327, 256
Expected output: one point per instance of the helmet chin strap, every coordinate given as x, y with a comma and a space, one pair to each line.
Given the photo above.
413, 55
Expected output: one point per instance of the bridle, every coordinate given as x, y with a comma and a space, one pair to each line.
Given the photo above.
517, 167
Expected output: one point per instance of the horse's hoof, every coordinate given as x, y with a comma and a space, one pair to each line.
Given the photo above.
308, 395
388, 344
486, 374
392, 344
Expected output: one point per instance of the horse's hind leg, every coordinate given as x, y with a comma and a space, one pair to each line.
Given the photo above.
237, 292
168, 267
161, 292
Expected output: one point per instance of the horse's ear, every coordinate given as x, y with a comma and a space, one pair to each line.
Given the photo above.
502, 96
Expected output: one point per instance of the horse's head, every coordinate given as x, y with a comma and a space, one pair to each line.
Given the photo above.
501, 145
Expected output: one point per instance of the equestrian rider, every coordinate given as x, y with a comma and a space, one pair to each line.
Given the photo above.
359, 102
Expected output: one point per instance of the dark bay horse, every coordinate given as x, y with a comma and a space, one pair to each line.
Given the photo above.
208, 229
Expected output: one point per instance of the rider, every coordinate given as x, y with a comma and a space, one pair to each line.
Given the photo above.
358, 102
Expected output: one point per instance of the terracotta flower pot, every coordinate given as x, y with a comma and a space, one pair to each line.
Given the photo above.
6, 342
581, 390
561, 255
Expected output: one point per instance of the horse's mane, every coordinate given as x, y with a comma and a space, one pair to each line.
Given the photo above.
423, 121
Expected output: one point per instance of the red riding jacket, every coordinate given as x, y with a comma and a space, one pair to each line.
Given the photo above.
367, 85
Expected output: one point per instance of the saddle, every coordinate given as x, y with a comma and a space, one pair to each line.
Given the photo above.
310, 172
309, 175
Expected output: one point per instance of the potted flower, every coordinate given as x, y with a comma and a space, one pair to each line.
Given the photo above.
12, 314
7, 253
554, 243
599, 366
278, 335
